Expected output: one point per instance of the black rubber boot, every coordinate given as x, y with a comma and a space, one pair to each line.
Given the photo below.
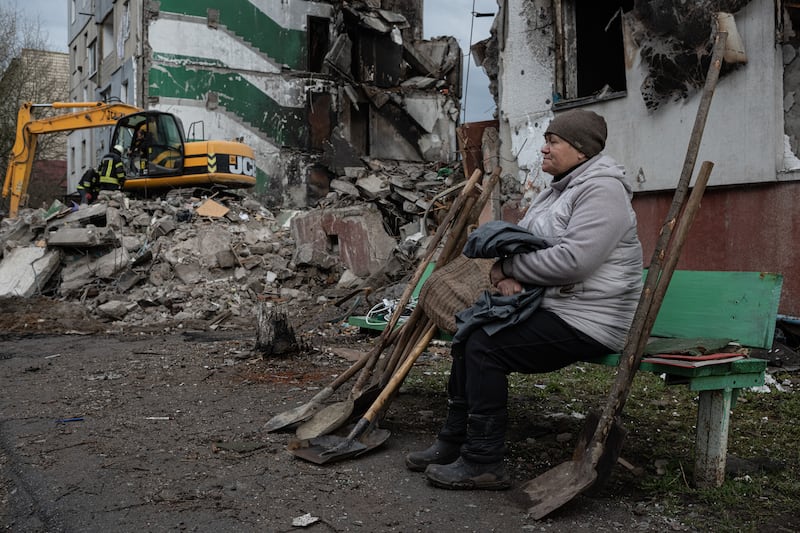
480, 465
441, 452
466, 475
447, 446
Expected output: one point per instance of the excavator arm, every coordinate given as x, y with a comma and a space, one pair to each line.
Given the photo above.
90, 115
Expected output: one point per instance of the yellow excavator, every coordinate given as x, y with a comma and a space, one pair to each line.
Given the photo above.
154, 150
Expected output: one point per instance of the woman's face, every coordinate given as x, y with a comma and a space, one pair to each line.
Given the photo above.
559, 155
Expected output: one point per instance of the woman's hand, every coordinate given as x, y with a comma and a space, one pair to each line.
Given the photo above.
496, 274
508, 287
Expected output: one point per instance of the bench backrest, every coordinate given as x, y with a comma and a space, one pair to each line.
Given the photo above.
734, 305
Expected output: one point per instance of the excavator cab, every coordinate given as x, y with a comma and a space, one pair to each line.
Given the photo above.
152, 144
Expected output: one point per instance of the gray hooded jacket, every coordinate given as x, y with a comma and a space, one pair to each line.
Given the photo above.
593, 270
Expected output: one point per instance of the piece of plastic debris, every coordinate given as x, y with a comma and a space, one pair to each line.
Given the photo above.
305, 520
65, 420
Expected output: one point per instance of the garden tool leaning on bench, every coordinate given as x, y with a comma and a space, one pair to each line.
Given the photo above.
387, 337
557, 486
413, 337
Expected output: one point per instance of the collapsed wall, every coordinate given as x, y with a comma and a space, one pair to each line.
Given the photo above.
306, 84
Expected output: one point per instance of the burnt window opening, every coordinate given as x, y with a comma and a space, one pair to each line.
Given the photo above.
791, 19
321, 117
790, 38
590, 60
318, 42
333, 244
357, 127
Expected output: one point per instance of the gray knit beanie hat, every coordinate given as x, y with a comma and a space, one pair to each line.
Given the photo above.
583, 129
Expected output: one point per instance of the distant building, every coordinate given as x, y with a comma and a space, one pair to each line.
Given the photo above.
306, 84
40, 77
104, 60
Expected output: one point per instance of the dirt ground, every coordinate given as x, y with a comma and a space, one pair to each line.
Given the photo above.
162, 430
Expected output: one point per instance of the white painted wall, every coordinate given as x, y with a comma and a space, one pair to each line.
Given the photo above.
525, 90
186, 38
743, 135
293, 17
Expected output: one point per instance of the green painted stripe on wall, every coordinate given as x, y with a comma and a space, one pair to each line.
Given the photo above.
251, 24
285, 125
187, 60
263, 180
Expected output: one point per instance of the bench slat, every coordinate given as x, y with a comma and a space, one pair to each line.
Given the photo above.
736, 305
742, 366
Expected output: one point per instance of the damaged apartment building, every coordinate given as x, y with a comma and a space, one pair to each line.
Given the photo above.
313, 87
642, 65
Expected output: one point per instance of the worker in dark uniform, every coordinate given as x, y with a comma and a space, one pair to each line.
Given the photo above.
89, 186
112, 170
139, 151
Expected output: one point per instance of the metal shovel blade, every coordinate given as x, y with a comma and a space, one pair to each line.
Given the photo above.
611, 450
292, 416
325, 420
557, 486
319, 450
300, 413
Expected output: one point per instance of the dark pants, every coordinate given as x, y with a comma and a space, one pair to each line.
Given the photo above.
541, 344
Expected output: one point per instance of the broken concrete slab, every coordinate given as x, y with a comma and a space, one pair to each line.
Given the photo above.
77, 274
82, 237
188, 273
24, 271
92, 214
307, 254
114, 309
373, 187
425, 110
18, 230
164, 226
226, 259
354, 234
344, 187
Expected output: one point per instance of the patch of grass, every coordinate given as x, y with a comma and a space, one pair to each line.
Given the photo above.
761, 494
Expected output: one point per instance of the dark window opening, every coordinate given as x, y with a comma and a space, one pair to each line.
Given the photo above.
318, 42
320, 119
592, 51
358, 128
793, 12
333, 244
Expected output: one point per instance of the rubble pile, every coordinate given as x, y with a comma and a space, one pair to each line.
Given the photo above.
404, 193
184, 259
149, 261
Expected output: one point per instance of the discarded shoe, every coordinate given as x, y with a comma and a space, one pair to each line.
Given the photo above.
441, 452
465, 475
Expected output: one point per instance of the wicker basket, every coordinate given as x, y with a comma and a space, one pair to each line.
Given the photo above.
454, 287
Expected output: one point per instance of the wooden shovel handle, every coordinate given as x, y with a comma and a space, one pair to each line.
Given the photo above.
632, 353
467, 215
639, 332
671, 259
400, 374
383, 339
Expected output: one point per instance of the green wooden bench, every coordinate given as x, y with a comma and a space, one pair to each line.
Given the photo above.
700, 306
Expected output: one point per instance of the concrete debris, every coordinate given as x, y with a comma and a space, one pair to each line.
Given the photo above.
196, 260
25, 270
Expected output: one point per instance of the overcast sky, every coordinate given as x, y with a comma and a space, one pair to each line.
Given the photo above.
454, 17
441, 17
